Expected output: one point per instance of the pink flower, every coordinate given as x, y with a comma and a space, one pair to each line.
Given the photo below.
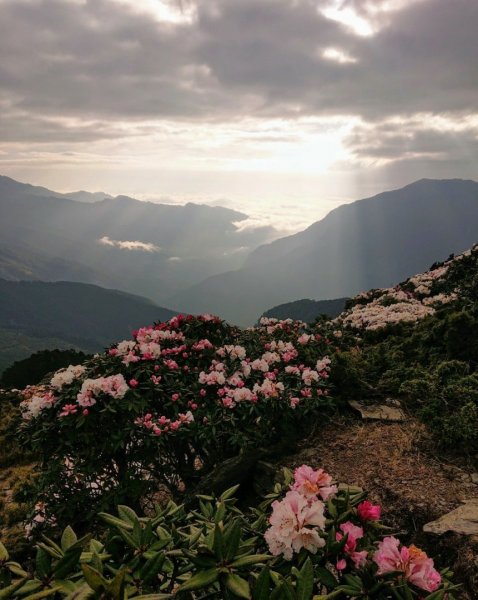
228, 402
313, 483
294, 402
133, 383
417, 568
296, 523
353, 533
68, 409
368, 511
171, 364
341, 564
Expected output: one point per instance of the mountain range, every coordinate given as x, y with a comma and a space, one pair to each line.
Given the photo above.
369, 243
197, 258
144, 248
38, 315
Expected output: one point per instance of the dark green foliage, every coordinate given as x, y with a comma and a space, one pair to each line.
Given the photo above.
33, 369
307, 310
431, 365
35, 315
214, 551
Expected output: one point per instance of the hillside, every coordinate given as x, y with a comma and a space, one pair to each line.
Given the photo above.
370, 243
37, 315
139, 247
264, 389
307, 310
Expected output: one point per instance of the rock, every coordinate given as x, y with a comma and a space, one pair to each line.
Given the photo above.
474, 478
232, 471
463, 519
379, 412
264, 477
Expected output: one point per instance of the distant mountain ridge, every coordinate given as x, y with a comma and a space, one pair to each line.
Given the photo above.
370, 243
40, 315
307, 310
140, 247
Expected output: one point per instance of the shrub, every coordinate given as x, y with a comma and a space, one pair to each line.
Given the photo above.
169, 405
305, 541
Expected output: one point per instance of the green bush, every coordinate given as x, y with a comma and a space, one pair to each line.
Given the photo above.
167, 407
217, 551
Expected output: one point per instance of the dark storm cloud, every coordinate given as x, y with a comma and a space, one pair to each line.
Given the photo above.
402, 141
256, 58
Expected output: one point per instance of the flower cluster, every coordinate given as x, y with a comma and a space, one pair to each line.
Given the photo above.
34, 405
114, 386
408, 302
416, 566
302, 520
298, 521
191, 389
66, 376
163, 424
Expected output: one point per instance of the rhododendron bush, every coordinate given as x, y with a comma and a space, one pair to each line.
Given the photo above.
307, 540
168, 405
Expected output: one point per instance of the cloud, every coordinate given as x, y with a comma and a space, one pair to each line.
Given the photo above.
421, 137
176, 93
129, 245
234, 58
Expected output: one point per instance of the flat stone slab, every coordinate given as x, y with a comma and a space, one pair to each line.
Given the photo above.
463, 519
379, 412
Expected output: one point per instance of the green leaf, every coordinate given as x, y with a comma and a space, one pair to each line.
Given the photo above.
229, 492
11, 589
238, 586
438, 595
261, 587
331, 508
51, 551
68, 538
200, 580
119, 523
44, 593
218, 543
151, 568
251, 559
94, 579
96, 562
84, 592
220, 512
52, 545
353, 581
305, 583
232, 538
42, 564
3, 553
116, 587
127, 514
326, 577
64, 566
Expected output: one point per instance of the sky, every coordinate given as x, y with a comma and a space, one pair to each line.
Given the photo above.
283, 109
